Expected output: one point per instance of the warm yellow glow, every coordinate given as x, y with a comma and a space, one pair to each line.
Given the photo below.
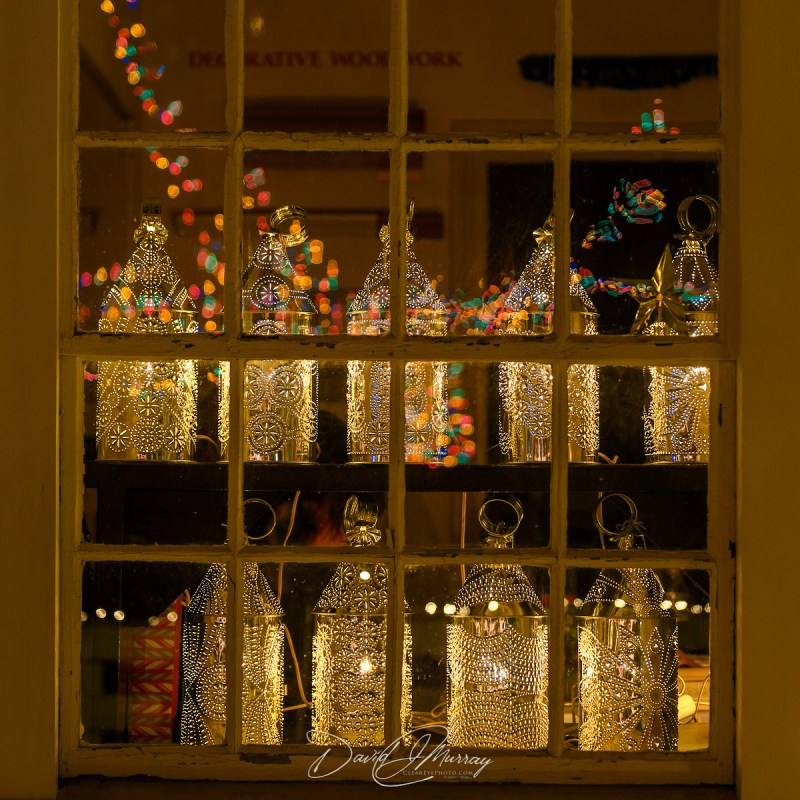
493, 605
119, 615
449, 609
681, 605
431, 608
366, 666
101, 613
364, 575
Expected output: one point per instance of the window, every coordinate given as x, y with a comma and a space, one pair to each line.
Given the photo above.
191, 480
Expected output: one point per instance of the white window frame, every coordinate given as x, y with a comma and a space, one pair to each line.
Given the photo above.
557, 765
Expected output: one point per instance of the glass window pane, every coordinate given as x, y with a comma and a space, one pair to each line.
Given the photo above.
470, 70
482, 253
311, 223
151, 250
325, 70
480, 654
152, 66
153, 653
638, 668
644, 431
155, 452
650, 76
644, 251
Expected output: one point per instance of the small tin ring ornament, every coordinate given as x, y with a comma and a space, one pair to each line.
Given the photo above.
251, 539
295, 213
707, 233
499, 533
360, 520
631, 526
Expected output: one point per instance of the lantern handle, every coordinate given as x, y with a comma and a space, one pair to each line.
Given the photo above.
706, 234
631, 527
499, 534
360, 521
251, 539
280, 215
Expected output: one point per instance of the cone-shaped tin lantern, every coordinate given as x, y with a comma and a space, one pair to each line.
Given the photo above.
147, 410
628, 648
203, 670
427, 429
273, 299
202, 719
528, 308
497, 652
262, 660
349, 645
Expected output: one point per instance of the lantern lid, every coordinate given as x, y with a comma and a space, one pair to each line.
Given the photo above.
355, 590
258, 598
498, 590
374, 297
624, 592
210, 596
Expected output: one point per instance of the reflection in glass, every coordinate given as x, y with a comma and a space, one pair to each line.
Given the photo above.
583, 421
349, 646
280, 410
497, 651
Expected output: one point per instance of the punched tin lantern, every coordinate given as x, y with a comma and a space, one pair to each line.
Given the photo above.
349, 644
497, 652
628, 649
368, 382
147, 410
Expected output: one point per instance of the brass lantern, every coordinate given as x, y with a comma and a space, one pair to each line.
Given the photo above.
147, 410
628, 649
349, 644
274, 301
497, 652
427, 428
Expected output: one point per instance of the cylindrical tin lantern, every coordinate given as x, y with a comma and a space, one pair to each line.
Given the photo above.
368, 387
497, 652
628, 649
262, 660
583, 412
349, 645
147, 410
280, 410
204, 685
428, 431
676, 421
526, 403
273, 299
